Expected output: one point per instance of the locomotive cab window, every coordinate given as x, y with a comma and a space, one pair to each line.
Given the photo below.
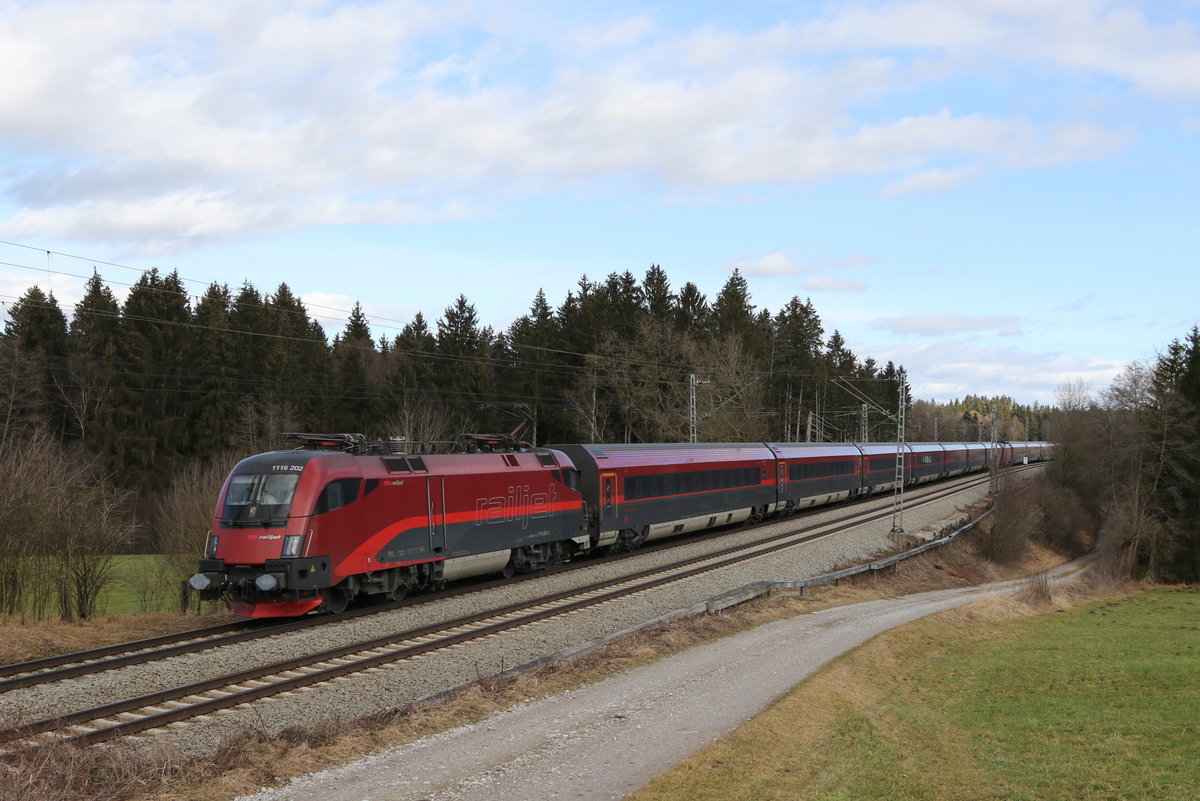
336, 495
259, 499
571, 478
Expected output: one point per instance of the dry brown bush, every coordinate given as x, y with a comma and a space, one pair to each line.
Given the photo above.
62, 521
1037, 589
183, 516
103, 773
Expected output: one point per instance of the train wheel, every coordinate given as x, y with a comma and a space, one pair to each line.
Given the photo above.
334, 600
398, 592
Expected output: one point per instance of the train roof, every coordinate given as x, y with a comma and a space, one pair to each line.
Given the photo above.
793, 450
650, 453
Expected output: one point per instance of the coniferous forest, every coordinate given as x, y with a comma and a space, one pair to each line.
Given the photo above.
120, 420
160, 381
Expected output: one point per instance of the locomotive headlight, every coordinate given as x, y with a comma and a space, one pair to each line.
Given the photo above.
267, 582
210, 550
291, 545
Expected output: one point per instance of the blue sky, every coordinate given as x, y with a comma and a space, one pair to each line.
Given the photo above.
1000, 195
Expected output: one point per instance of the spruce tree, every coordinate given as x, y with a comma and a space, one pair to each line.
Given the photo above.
692, 313
39, 328
538, 369
732, 312
358, 394
211, 359
146, 435
301, 362
660, 301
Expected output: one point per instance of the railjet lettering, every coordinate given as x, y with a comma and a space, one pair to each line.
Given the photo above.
521, 503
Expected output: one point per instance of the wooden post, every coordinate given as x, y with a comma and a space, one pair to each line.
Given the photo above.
185, 598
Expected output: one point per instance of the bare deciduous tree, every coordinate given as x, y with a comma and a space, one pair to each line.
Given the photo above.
420, 418
63, 523
261, 424
183, 515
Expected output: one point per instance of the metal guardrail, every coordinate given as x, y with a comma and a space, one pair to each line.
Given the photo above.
749, 591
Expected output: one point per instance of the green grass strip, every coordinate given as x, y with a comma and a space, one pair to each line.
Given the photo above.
1102, 702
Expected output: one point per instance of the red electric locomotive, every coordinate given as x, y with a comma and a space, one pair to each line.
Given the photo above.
301, 529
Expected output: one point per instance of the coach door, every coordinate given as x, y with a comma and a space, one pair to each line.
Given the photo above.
782, 468
608, 496
435, 489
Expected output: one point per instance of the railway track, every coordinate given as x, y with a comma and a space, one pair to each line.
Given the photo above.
59, 667
198, 701
82, 663
97, 660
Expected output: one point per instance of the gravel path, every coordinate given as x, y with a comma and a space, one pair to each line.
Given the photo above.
414, 680
609, 739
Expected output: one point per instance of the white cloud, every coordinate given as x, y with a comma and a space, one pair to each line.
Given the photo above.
949, 369
772, 264
944, 323
1078, 304
620, 33
825, 283
850, 261
205, 122
781, 264
1091, 36
934, 179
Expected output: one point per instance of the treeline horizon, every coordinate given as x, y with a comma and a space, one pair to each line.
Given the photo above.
153, 383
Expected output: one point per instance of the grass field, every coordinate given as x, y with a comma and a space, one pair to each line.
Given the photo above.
142, 583
1101, 702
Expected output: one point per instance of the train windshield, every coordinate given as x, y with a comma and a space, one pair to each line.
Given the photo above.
259, 499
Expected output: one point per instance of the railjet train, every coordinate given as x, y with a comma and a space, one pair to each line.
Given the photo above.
337, 517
